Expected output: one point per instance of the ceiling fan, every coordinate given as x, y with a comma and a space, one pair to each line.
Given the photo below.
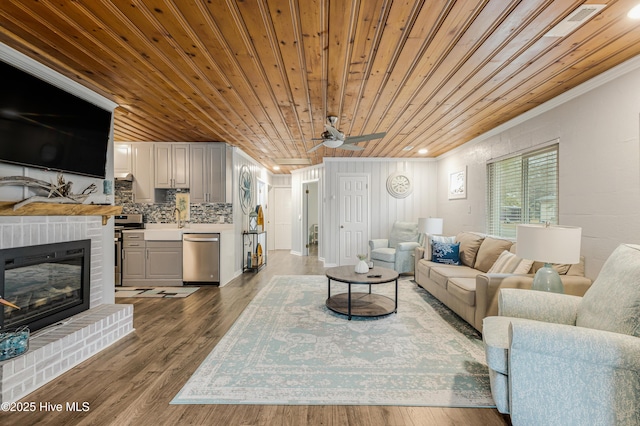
334, 138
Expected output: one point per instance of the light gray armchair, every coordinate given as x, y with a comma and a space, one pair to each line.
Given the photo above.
556, 359
397, 251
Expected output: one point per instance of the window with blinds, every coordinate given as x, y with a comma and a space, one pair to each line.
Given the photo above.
522, 189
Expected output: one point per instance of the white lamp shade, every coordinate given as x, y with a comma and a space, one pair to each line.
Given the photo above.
549, 244
431, 226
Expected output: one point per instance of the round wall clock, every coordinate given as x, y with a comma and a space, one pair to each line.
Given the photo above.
245, 184
399, 185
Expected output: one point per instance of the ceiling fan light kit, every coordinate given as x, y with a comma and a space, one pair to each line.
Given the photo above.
333, 143
334, 138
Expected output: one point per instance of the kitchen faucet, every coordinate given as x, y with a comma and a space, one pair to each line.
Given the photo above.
180, 223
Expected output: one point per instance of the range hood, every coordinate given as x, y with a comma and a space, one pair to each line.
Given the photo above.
127, 177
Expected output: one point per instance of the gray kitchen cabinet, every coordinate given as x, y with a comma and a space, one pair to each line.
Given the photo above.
142, 168
198, 192
164, 260
150, 263
133, 258
208, 173
172, 165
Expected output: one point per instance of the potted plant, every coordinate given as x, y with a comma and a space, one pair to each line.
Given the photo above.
362, 267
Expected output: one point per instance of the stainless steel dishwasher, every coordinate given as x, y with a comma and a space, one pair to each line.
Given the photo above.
201, 258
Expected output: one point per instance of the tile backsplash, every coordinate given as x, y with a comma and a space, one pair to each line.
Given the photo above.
164, 212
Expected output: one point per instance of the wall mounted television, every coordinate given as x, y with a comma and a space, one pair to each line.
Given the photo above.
46, 127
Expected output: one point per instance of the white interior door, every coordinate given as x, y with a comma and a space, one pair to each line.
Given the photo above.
353, 196
282, 218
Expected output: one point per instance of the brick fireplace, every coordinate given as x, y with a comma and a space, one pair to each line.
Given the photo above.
58, 348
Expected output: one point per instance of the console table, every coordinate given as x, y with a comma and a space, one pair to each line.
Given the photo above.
252, 239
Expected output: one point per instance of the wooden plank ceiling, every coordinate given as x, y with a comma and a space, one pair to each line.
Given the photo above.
264, 74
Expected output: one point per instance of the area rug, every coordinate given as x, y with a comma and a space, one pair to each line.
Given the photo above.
165, 292
287, 348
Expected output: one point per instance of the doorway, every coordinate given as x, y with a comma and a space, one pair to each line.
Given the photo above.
310, 218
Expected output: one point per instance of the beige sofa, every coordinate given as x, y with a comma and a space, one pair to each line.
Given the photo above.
471, 292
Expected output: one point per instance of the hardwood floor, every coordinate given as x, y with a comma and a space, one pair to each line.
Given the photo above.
133, 381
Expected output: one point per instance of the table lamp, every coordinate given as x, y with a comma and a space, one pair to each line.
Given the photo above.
548, 244
430, 226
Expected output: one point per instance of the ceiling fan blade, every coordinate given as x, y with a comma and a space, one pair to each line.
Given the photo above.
315, 147
337, 134
350, 147
364, 138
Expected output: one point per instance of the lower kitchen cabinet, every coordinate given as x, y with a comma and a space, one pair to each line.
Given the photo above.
133, 264
150, 263
164, 260
133, 257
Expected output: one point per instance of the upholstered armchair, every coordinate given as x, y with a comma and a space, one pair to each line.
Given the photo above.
396, 252
558, 359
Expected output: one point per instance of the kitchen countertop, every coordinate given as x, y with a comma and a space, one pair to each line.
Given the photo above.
171, 232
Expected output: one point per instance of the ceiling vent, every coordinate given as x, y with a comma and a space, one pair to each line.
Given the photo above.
577, 18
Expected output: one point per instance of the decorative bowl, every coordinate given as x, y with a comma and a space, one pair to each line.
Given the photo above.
13, 342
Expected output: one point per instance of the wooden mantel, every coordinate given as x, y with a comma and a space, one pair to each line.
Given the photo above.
50, 209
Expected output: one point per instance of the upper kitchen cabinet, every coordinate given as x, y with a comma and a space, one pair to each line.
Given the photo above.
135, 158
142, 170
172, 165
122, 159
209, 173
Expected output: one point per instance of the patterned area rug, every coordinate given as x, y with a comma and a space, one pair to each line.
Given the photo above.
288, 348
166, 292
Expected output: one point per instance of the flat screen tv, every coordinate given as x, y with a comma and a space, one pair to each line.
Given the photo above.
46, 127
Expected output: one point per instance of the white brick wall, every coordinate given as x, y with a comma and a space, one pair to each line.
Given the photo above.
32, 230
59, 348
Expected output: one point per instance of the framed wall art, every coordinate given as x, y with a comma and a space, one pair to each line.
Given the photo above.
183, 206
245, 185
458, 184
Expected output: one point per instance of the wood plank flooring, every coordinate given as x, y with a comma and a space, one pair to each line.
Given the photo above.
133, 381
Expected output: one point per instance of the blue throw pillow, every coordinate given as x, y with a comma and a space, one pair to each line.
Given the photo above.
447, 253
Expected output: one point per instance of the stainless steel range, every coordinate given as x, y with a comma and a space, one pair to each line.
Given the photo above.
122, 222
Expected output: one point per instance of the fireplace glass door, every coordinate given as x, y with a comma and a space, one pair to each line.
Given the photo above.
48, 282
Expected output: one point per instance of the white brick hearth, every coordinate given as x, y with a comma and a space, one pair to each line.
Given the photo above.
58, 348
54, 350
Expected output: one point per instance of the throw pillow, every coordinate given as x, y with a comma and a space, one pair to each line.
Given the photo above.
509, 263
437, 239
441, 239
447, 253
469, 245
489, 251
560, 268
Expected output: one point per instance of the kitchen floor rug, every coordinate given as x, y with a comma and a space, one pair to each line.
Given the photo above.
166, 292
288, 348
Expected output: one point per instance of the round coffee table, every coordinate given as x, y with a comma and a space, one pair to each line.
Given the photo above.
358, 303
